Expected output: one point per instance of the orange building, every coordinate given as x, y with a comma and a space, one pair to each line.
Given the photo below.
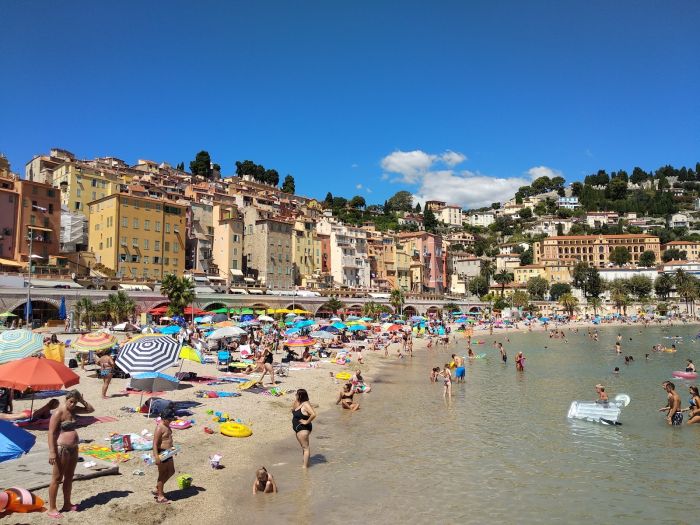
39, 216
595, 249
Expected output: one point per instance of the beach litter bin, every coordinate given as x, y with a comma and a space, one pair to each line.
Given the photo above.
184, 481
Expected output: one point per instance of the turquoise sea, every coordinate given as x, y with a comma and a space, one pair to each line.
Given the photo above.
502, 450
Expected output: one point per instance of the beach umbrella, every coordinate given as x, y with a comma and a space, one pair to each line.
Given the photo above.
203, 319
353, 318
265, 319
330, 328
16, 344
170, 330
227, 331
304, 324
28, 309
357, 327
217, 318
62, 308
393, 328
154, 382
7, 314
339, 326
322, 335
304, 341
160, 310
148, 353
14, 441
189, 353
367, 319
224, 324
38, 374
292, 331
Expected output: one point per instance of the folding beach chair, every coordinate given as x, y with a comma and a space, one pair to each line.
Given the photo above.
223, 358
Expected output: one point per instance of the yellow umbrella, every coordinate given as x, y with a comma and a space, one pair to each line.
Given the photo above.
283, 311
299, 311
189, 353
271, 311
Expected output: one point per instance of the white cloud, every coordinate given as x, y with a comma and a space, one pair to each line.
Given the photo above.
468, 189
368, 190
452, 158
543, 171
436, 178
358, 186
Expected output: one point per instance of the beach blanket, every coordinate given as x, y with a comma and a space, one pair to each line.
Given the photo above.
103, 453
230, 379
213, 394
46, 394
81, 421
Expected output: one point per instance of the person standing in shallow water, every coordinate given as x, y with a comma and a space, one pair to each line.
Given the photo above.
674, 415
520, 362
302, 416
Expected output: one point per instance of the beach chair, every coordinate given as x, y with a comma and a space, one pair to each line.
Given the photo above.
223, 358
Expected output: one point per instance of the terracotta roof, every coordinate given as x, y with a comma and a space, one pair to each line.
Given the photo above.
621, 236
678, 243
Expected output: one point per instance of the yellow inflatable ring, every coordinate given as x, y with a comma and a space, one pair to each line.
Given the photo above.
344, 376
237, 430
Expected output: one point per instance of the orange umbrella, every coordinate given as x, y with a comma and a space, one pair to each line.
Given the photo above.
38, 374
224, 324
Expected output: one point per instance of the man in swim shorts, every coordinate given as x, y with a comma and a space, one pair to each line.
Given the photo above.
675, 416
460, 371
162, 441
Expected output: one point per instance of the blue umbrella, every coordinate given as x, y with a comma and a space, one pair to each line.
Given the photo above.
330, 328
170, 330
14, 441
303, 324
62, 308
357, 327
28, 310
339, 326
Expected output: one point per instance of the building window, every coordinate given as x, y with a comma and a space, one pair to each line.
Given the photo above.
136, 223
176, 247
134, 242
125, 222
145, 244
146, 225
157, 226
167, 227
166, 246
156, 260
146, 259
122, 257
134, 258
122, 241
156, 246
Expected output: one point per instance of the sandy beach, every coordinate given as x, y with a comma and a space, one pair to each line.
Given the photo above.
127, 497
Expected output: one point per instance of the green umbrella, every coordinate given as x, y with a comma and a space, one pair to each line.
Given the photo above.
248, 311
219, 311
7, 314
17, 344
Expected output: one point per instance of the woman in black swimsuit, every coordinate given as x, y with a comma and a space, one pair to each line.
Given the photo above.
267, 360
345, 397
302, 416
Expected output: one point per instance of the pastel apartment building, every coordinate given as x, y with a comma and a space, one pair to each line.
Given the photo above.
595, 249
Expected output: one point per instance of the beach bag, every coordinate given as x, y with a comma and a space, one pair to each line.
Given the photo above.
155, 406
184, 481
121, 443
72, 363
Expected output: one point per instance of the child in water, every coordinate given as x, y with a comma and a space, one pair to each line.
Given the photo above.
264, 482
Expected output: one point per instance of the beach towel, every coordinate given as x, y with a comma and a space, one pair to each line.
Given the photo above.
103, 453
81, 421
46, 394
131, 392
213, 394
232, 379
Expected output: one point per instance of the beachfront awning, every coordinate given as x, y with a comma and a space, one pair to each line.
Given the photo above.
10, 262
239, 290
236, 273
45, 283
255, 291
204, 289
135, 287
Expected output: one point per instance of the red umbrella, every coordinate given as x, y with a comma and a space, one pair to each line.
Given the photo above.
38, 374
160, 310
394, 328
194, 311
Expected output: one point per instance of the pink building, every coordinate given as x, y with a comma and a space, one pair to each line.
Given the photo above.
9, 197
428, 261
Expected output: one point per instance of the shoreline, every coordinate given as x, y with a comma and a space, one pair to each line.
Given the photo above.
126, 497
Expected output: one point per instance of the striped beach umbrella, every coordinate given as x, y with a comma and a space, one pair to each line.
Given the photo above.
304, 341
94, 342
16, 344
148, 353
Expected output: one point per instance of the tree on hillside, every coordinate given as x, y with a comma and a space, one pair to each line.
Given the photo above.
525, 213
288, 185
430, 222
663, 286
537, 287
687, 287
401, 201
557, 290
488, 268
620, 256
180, 166
358, 201
478, 286
526, 257
674, 254
417, 209
201, 165
647, 259
520, 299
504, 278
640, 286
328, 201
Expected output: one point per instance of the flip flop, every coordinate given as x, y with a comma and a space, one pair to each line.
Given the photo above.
54, 515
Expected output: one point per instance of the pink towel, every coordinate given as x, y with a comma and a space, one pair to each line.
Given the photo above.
81, 421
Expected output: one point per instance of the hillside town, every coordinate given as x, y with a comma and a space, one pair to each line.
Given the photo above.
106, 224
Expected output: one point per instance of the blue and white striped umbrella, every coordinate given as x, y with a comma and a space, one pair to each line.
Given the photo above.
17, 344
148, 353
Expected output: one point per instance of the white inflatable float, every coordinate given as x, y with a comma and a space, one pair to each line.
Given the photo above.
606, 413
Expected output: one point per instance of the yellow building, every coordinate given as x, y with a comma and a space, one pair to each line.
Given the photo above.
306, 249
522, 274
691, 249
227, 248
81, 184
138, 236
595, 249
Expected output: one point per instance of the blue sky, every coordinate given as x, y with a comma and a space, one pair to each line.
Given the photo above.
463, 101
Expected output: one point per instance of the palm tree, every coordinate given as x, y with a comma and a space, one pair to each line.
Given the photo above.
487, 269
180, 293
84, 310
595, 303
120, 306
504, 277
687, 288
621, 300
569, 303
397, 299
333, 305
